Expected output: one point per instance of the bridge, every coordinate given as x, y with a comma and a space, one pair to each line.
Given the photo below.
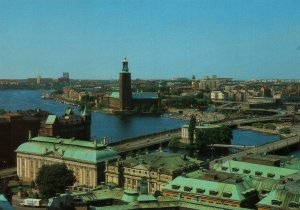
266, 148
260, 119
146, 141
231, 146
160, 138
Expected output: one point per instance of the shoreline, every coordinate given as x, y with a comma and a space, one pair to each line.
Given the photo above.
261, 130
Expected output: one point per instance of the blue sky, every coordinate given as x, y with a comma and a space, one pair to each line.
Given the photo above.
243, 39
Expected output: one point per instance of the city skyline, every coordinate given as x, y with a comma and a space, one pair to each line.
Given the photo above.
162, 39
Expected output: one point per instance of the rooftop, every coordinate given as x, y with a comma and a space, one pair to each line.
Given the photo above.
163, 160
228, 191
253, 170
76, 150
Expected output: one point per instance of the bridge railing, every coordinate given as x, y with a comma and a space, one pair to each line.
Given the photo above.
125, 141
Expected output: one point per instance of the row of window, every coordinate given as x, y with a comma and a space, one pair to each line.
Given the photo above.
201, 191
292, 204
248, 171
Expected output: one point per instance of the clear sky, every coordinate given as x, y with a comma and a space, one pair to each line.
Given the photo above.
163, 39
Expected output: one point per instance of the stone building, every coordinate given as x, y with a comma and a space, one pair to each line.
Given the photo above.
85, 158
67, 126
158, 168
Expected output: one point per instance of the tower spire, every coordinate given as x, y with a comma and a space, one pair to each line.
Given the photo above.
125, 65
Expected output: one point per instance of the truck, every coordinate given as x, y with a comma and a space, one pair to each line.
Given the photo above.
32, 202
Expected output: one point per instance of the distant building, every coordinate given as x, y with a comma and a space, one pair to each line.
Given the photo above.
125, 101
86, 158
207, 83
65, 78
67, 126
15, 128
158, 168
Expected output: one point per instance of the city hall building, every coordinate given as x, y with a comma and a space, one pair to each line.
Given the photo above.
86, 158
124, 100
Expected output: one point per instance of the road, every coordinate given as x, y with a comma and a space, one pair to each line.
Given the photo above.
266, 148
145, 143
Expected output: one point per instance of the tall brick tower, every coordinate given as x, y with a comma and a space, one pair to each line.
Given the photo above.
125, 87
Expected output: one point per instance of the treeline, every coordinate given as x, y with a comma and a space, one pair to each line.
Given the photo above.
186, 102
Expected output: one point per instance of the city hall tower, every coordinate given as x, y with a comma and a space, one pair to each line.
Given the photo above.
125, 87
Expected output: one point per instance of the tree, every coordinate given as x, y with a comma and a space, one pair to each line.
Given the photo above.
52, 179
285, 130
191, 128
153, 109
220, 135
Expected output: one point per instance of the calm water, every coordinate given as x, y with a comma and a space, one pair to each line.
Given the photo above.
113, 127
252, 138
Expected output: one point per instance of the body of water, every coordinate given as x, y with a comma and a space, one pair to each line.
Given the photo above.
113, 127
252, 138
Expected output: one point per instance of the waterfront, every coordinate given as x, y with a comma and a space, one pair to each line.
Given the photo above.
116, 127
113, 127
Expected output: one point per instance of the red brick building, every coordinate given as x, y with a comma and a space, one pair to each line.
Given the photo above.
67, 126
15, 129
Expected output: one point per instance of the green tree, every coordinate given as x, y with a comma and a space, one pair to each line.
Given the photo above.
258, 125
270, 126
285, 130
153, 109
52, 179
221, 135
191, 128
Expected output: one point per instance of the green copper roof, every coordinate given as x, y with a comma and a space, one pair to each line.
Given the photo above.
264, 184
115, 95
81, 151
191, 186
252, 169
146, 198
4, 204
283, 199
167, 162
73, 142
51, 119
